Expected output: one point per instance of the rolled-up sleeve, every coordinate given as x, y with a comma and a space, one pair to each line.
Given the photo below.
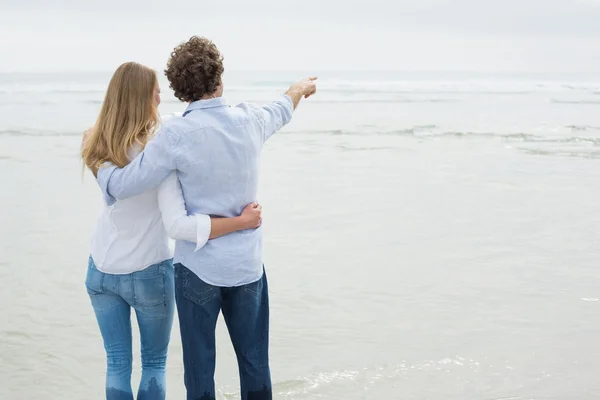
178, 224
203, 227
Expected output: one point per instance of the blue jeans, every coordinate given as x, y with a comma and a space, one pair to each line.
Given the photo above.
150, 293
246, 312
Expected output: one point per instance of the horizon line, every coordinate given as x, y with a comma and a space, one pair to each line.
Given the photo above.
324, 70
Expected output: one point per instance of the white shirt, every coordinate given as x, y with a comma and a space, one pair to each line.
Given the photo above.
133, 233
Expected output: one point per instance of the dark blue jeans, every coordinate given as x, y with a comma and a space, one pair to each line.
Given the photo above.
246, 312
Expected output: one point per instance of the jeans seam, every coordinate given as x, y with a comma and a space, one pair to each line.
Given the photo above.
164, 285
162, 271
133, 292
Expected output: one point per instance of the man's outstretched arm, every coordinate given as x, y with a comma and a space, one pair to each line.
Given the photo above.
144, 172
278, 113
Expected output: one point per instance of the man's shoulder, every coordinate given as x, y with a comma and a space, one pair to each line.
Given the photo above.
250, 110
174, 126
247, 106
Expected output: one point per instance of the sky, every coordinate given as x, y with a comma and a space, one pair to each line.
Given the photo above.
405, 35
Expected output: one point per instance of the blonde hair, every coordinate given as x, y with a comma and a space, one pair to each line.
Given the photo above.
129, 115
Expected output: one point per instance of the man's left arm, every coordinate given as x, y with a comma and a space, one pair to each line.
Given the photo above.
144, 172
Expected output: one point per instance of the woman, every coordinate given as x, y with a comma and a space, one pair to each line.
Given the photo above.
130, 265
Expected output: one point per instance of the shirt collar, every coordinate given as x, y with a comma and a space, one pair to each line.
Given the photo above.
202, 104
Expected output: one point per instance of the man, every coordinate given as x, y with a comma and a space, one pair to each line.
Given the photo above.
215, 149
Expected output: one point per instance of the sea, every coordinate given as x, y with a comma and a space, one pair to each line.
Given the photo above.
428, 235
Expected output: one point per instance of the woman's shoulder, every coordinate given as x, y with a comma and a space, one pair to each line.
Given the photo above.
166, 117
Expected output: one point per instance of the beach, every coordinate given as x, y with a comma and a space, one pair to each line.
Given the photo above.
427, 236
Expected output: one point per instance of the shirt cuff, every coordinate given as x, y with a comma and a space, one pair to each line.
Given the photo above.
203, 226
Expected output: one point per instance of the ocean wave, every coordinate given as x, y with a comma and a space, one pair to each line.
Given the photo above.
48, 103
417, 131
431, 131
370, 89
382, 101
37, 133
366, 100
583, 127
581, 87
582, 101
345, 147
459, 86
12, 103
370, 377
591, 154
345, 87
66, 87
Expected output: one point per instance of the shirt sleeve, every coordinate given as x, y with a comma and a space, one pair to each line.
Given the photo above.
275, 115
180, 225
144, 172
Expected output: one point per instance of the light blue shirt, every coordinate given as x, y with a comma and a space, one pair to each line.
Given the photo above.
216, 150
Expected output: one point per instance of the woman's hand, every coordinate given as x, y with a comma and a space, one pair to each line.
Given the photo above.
251, 216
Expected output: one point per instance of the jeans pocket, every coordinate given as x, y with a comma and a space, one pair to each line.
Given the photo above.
195, 289
149, 286
254, 288
94, 280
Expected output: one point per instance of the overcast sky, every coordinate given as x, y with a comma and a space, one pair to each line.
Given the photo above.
471, 35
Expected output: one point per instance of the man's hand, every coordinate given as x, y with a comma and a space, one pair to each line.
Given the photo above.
308, 86
304, 88
251, 216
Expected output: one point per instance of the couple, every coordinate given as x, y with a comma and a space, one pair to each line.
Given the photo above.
195, 181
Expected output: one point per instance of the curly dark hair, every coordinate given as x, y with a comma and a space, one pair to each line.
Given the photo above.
194, 69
